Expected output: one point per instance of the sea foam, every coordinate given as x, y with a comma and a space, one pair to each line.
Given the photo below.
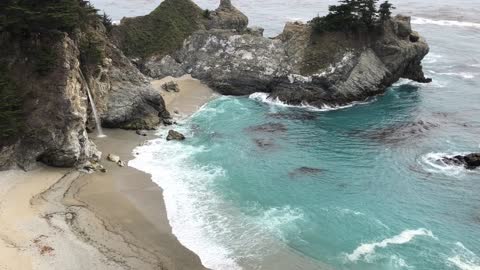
464, 258
419, 20
265, 98
433, 163
186, 195
404, 237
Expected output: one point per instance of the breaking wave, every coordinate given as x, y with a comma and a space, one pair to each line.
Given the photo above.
464, 258
404, 237
419, 20
265, 98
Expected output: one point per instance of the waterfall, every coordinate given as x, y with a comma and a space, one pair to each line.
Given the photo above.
94, 110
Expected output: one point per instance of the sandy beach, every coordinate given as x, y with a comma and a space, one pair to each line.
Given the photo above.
55, 218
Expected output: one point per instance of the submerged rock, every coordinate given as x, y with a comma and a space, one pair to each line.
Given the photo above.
175, 136
309, 171
399, 132
471, 161
269, 128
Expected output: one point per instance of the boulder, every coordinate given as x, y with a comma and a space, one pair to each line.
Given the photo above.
175, 136
142, 133
414, 36
171, 87
404, 28
471, 161
113, 158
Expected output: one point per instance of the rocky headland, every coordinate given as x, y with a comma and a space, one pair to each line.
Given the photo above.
298, 66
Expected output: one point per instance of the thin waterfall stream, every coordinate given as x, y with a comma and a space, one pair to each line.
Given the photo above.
94, 110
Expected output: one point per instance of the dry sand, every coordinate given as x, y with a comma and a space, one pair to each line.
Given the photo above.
62, 219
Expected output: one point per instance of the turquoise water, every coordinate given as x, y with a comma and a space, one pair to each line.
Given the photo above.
261, 185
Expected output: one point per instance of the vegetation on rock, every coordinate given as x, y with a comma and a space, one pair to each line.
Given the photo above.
352, 15
160, 32
10, 108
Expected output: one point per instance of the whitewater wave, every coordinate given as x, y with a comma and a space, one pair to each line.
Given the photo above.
465, 259
186, 196
419, 20
365, 250
464, 75
264, 97
219, 232
435, 83
433, 163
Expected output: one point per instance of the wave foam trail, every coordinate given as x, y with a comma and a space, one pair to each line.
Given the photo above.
464, 75
404, 237
432, 162
419, 20
187, 197
265, 98
465, 259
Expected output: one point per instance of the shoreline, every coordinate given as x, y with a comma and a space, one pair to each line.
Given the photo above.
64, 219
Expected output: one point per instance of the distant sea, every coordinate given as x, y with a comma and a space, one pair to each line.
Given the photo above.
262, 185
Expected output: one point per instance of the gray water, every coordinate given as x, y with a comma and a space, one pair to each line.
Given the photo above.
272, 14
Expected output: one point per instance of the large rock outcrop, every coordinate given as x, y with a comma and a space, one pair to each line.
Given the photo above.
55, 111
299, 66
55, 105
226, 16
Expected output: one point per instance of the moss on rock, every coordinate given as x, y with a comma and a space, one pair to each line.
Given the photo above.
160, 32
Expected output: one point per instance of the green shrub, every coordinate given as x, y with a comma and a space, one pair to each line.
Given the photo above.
92, 50
11, 120
160, 32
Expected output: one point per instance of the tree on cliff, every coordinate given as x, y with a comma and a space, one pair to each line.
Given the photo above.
25, 17
385, 11
352, 15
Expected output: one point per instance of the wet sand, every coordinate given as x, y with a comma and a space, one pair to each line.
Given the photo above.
64, 219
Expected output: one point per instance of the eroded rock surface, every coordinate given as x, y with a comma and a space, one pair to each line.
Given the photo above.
299, 66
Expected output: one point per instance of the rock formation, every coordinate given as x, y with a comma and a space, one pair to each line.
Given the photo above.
56, 111
299, 66
471, 161
226, 16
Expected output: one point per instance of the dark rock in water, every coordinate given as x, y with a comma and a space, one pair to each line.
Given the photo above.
400, 132
264, 143
309, 171
301, 116
471, 161
141, 132
174, 135
269, 128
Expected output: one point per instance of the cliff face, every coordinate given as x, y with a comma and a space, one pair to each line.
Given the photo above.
56, 111
299, 66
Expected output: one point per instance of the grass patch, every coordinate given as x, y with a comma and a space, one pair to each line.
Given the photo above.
160, 32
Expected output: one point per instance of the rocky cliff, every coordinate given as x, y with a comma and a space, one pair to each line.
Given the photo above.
300, 65
51, 74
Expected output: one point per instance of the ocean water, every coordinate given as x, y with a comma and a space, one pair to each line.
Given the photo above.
261, 185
